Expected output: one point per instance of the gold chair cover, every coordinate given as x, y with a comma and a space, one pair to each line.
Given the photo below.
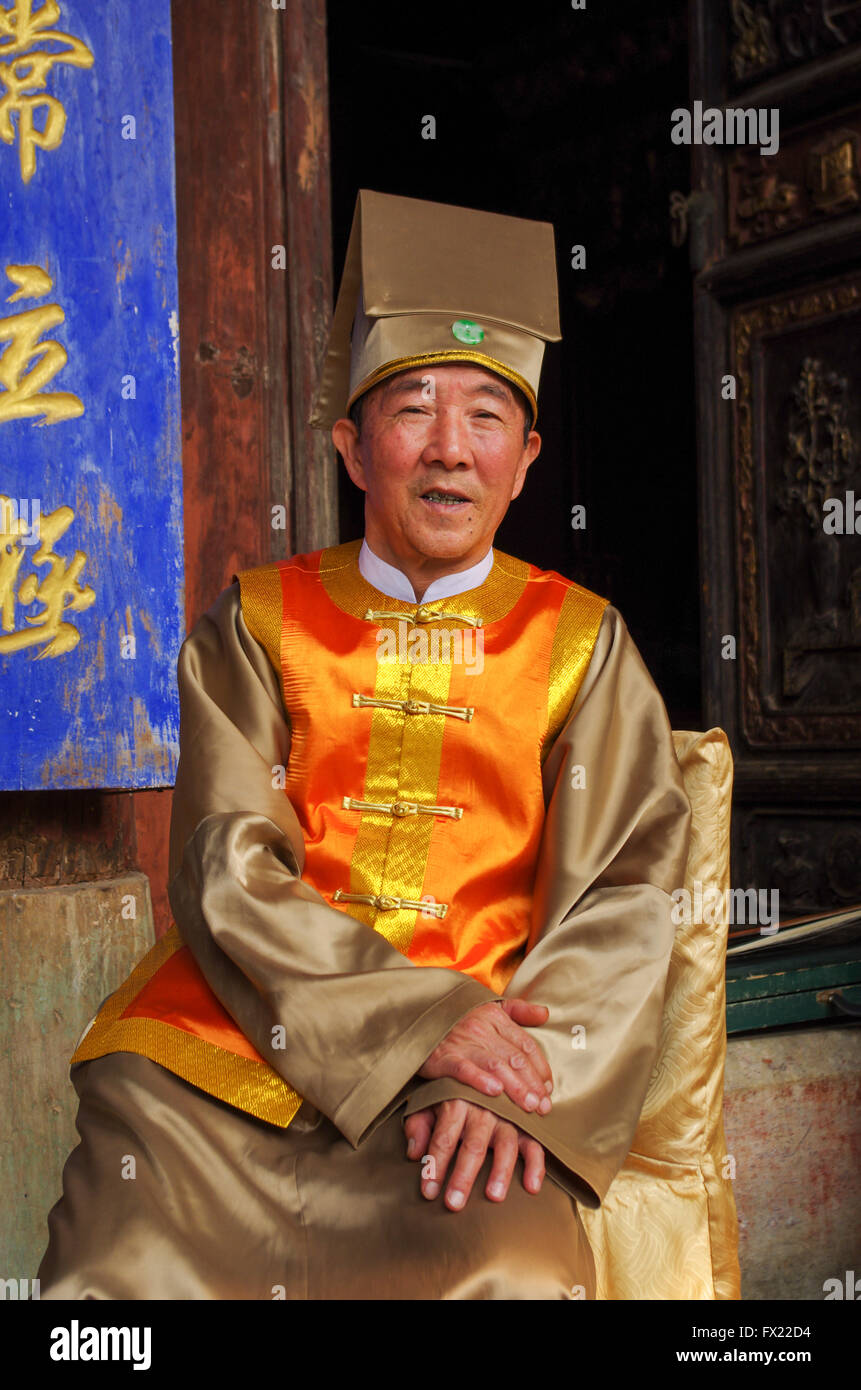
668, 1227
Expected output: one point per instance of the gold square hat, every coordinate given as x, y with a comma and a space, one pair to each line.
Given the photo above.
426, 283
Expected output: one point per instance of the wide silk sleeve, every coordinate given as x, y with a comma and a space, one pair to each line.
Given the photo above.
614, 847
359, 1018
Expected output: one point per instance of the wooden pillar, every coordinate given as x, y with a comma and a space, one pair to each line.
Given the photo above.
252, 156
308, 220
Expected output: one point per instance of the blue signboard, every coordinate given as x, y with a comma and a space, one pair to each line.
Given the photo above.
91, 559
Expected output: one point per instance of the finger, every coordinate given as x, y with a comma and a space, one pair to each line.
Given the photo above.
477, 1131
496, 1065
489, 1069
513, 1029
448, 1126
521, 1081
517, 1035
418, 1129
505, 1150
533, 1163
471, 1072
525, 1013
482, 1057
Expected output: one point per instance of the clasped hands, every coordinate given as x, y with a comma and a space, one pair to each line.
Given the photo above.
489, 1050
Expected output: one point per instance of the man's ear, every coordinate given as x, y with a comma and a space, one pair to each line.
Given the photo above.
345, 438
531, 450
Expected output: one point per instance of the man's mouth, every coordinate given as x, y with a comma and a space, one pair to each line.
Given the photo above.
445, 499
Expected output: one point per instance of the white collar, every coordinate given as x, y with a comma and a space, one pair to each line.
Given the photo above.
394, 582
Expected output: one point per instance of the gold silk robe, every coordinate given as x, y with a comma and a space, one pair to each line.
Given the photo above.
533, 814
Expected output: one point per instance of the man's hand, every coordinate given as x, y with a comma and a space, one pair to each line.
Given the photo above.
433, 1136
489, 1050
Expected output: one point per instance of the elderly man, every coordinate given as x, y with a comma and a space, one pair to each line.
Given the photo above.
426, 822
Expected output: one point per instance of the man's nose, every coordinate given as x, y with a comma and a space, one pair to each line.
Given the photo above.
448, 441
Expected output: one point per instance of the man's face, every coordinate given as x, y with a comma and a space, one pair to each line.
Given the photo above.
440, 457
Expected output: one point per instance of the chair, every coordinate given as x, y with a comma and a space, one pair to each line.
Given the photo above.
668, 1228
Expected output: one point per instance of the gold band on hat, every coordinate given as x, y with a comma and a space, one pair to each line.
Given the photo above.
426, 359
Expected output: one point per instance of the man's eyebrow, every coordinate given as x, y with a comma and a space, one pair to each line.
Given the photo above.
490, 388
408, 384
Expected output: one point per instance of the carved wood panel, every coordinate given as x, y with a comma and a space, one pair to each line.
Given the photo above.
813, 860
815, 175
797, 359
770, 37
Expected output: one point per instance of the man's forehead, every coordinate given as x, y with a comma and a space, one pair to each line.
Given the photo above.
472, 381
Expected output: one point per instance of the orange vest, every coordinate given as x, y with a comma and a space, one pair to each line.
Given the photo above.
418, 733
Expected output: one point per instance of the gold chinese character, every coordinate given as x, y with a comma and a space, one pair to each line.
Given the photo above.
19, 392
58, 590
25, 76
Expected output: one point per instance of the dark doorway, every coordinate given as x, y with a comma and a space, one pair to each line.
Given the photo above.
564, 118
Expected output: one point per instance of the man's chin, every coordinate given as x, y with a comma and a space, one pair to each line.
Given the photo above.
445, 545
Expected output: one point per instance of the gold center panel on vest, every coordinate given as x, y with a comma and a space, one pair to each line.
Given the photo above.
403, 765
